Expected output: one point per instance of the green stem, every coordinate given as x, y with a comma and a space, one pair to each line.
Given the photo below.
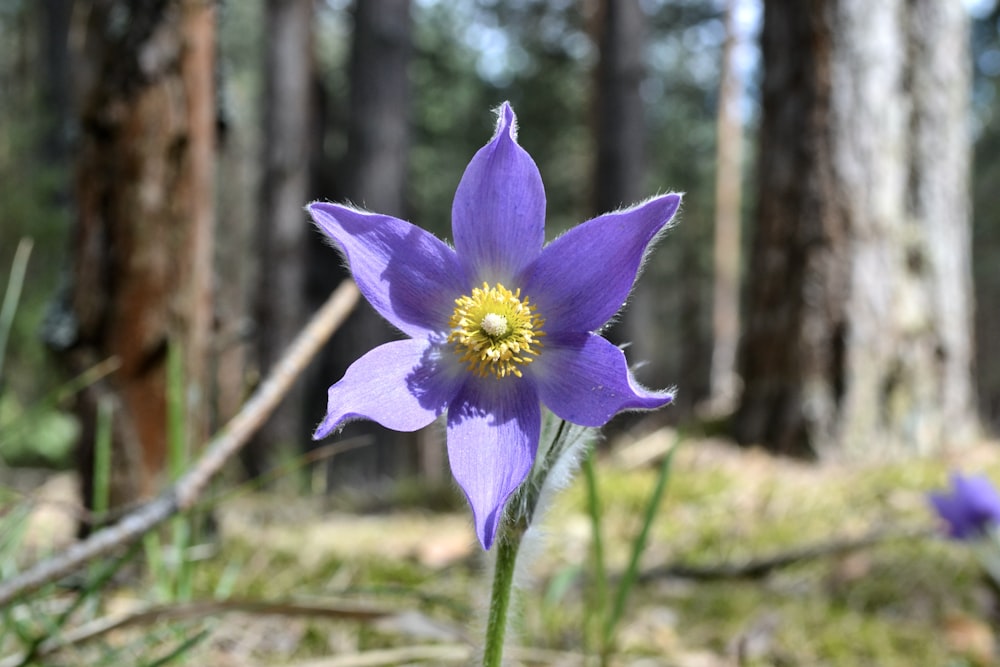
600, 606
507, 544
638, 546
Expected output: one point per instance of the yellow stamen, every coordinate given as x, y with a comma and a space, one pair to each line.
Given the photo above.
495, 331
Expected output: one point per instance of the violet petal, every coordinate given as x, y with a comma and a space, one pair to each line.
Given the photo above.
403, 385
493, 430
585, 380
583, 277
971, 509
498, 216
956, 520
408, 275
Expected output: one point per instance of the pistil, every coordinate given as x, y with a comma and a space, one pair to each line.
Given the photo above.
495, 331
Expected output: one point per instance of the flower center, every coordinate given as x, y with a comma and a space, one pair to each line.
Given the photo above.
494, 325
495, 331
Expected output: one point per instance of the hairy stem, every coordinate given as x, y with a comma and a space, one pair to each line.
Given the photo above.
503, 587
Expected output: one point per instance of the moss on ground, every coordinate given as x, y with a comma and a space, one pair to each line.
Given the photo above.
907, 599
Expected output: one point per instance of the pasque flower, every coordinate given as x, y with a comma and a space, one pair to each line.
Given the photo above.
971, 509
498, 325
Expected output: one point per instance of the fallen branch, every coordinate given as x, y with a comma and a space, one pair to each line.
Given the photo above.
440, 654
761, 567
436, 654
183, 494
196, 610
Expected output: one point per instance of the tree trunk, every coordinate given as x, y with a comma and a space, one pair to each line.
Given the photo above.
621, 126
378, 137
986, 238
283, 225
620, 138
858, 333
728, 201
374, 177
56, 81
141, 271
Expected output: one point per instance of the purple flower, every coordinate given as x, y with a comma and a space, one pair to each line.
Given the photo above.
971, 509
498, 325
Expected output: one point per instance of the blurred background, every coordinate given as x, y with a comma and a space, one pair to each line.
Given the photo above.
817, 298
829, 294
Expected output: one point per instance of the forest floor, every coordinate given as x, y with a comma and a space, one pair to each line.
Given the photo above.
752, 560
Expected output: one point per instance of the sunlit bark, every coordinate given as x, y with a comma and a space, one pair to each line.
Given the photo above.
141, 276
858, 333
728, 201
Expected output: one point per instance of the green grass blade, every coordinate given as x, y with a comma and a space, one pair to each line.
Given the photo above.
20, 628
183, 568
226, 584
13, 525
89, 590
600, 602
152, 546
102, 458
12, 296
638, 546
179, 651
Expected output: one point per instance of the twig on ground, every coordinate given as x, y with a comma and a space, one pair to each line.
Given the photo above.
197, 610
436, 654
761, 567
224, 445
439, 654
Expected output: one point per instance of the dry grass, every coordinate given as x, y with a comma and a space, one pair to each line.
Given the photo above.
906, 601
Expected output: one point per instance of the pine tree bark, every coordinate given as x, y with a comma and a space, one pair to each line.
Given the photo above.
280, 308
620, 139
379, 124
858, 332
621, 126
56, 84
374, 177
728, 202
986, 246
142, 245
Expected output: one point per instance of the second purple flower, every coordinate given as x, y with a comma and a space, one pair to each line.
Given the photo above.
971, 510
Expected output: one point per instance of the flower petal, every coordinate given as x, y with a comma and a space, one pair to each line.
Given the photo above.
402, 385
972, 509
498, 216
411, 277
493, 429
978, 493
583, 277
585, 380
957, 520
